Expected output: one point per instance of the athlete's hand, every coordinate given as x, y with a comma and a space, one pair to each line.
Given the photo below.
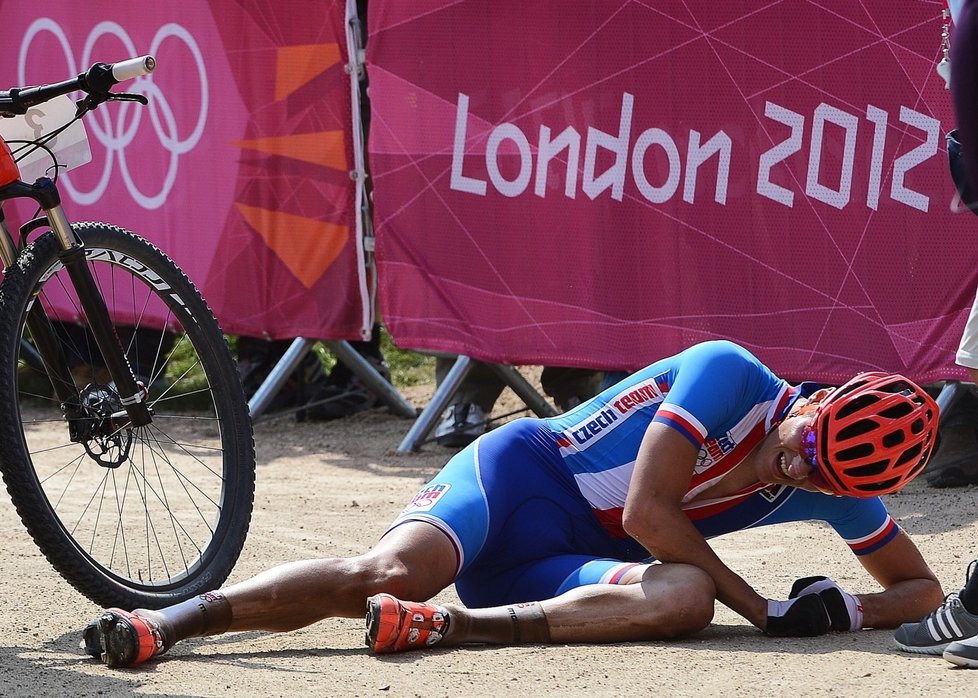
844, 609
804, 616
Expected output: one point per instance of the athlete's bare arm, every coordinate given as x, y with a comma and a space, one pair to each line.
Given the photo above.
910, 588
652, 515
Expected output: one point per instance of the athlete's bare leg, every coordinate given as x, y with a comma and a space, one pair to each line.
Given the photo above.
413, 561
662, 601
658, 602
670, 600
415, 558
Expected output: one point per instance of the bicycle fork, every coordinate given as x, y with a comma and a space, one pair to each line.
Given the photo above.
72, 255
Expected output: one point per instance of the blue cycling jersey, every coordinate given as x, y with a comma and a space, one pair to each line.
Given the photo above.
716, 394
534, 508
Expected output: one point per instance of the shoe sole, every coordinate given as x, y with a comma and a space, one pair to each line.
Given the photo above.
966, 662
119, 639
932, 650
111, 641
373, 623
92, 639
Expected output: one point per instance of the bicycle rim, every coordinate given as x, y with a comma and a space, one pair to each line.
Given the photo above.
135, 516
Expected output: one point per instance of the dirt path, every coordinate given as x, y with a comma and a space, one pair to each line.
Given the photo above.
331, 490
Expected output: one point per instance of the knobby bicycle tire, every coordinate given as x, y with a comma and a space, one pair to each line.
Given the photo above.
133, 517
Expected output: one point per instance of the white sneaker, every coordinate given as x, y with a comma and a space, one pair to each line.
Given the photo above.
460, 425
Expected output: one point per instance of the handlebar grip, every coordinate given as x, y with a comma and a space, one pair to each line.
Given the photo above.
133, 68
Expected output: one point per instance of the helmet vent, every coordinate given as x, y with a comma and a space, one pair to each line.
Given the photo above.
897, 411
910, 454
869, 469
894, 438
857, 452
882, 487
852, 431
855, 405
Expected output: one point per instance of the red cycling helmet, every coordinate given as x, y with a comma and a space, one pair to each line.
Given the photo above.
872, 435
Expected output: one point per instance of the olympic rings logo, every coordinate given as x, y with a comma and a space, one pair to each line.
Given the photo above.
116, 134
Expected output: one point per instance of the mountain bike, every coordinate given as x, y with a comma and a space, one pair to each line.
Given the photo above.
127, 447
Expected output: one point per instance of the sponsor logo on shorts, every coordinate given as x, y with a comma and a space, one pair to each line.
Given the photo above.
427, 497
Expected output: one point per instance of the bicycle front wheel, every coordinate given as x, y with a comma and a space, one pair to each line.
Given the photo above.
131, 517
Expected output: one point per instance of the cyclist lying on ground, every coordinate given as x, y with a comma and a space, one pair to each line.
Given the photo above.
546, 525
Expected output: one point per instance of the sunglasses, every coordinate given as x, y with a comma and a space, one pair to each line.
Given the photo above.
815, 477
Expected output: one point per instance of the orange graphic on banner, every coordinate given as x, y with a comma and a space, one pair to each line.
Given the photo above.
326, 148
297, 65
307, 247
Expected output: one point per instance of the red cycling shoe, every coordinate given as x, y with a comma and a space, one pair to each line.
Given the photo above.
122, 639
395, 626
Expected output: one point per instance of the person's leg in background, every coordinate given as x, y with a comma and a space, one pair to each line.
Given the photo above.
956, 462
467, 416
257, 357
343, 393
569, 387
465, 419
146, 348
82, 354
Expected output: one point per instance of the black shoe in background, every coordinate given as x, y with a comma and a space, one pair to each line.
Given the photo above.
344, 394
955, 464
257, 358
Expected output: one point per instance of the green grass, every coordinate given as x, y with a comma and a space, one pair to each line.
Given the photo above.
407, 367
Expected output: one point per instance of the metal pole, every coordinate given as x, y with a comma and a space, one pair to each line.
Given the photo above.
439, 401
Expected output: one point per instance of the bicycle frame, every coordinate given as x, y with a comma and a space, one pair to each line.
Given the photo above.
131, 394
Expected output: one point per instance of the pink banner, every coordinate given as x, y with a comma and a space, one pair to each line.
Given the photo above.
239, 168
603, 183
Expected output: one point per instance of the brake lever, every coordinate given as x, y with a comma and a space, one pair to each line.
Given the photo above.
91, 101
127, 97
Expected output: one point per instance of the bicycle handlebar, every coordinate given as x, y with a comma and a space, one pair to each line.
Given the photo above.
99, 79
